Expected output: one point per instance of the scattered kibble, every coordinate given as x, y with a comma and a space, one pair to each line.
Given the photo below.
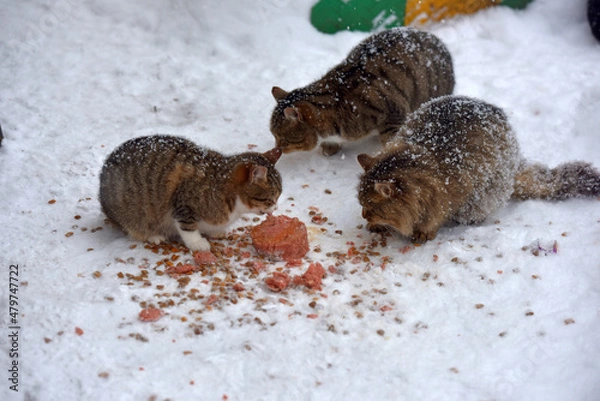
150, 315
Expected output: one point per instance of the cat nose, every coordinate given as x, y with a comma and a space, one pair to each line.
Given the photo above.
269, 210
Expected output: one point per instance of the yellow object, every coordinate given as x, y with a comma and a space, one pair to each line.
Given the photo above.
419, 12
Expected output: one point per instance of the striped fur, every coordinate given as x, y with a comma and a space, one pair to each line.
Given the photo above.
384, 78
161, 187
457, 160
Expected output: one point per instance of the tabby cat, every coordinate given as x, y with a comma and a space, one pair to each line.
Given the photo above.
160, 187
384, 78
457, 160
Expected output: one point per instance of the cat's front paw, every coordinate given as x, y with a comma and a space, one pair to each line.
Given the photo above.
420, 237
330, 148
156, 239
200, 244
377, 228
194, 241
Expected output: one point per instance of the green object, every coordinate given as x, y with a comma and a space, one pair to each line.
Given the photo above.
519, 4
330, 16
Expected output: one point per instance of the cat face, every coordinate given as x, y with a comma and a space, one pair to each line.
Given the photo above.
384, 208
258, 182
386, 201
292, 123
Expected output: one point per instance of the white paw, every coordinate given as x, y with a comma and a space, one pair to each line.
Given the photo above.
197, 244
194, 241
156, 239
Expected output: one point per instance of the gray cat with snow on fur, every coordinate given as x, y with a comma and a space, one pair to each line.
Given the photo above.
457, 160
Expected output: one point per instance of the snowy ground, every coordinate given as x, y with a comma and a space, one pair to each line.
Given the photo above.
478, 314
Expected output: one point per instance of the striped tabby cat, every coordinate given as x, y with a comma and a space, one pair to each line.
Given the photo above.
160, 187
384, 78
457, 160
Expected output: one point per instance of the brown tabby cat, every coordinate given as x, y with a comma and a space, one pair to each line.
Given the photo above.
457, 159
159, 187
384, 78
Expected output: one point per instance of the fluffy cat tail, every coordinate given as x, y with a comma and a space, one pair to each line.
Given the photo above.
568, 180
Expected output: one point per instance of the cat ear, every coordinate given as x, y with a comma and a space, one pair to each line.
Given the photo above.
258, 174
292, 113
385, 188
302, 111
273, 155
365, 161
240, 173
278, 93
254, 173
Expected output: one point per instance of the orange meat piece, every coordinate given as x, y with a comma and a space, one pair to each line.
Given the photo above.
281, 236
278, 281
180, 269
204, 258
312, 278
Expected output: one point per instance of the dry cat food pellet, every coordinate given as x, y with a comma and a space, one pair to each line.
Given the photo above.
150, 314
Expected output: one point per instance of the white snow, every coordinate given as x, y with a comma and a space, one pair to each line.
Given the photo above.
473, 315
